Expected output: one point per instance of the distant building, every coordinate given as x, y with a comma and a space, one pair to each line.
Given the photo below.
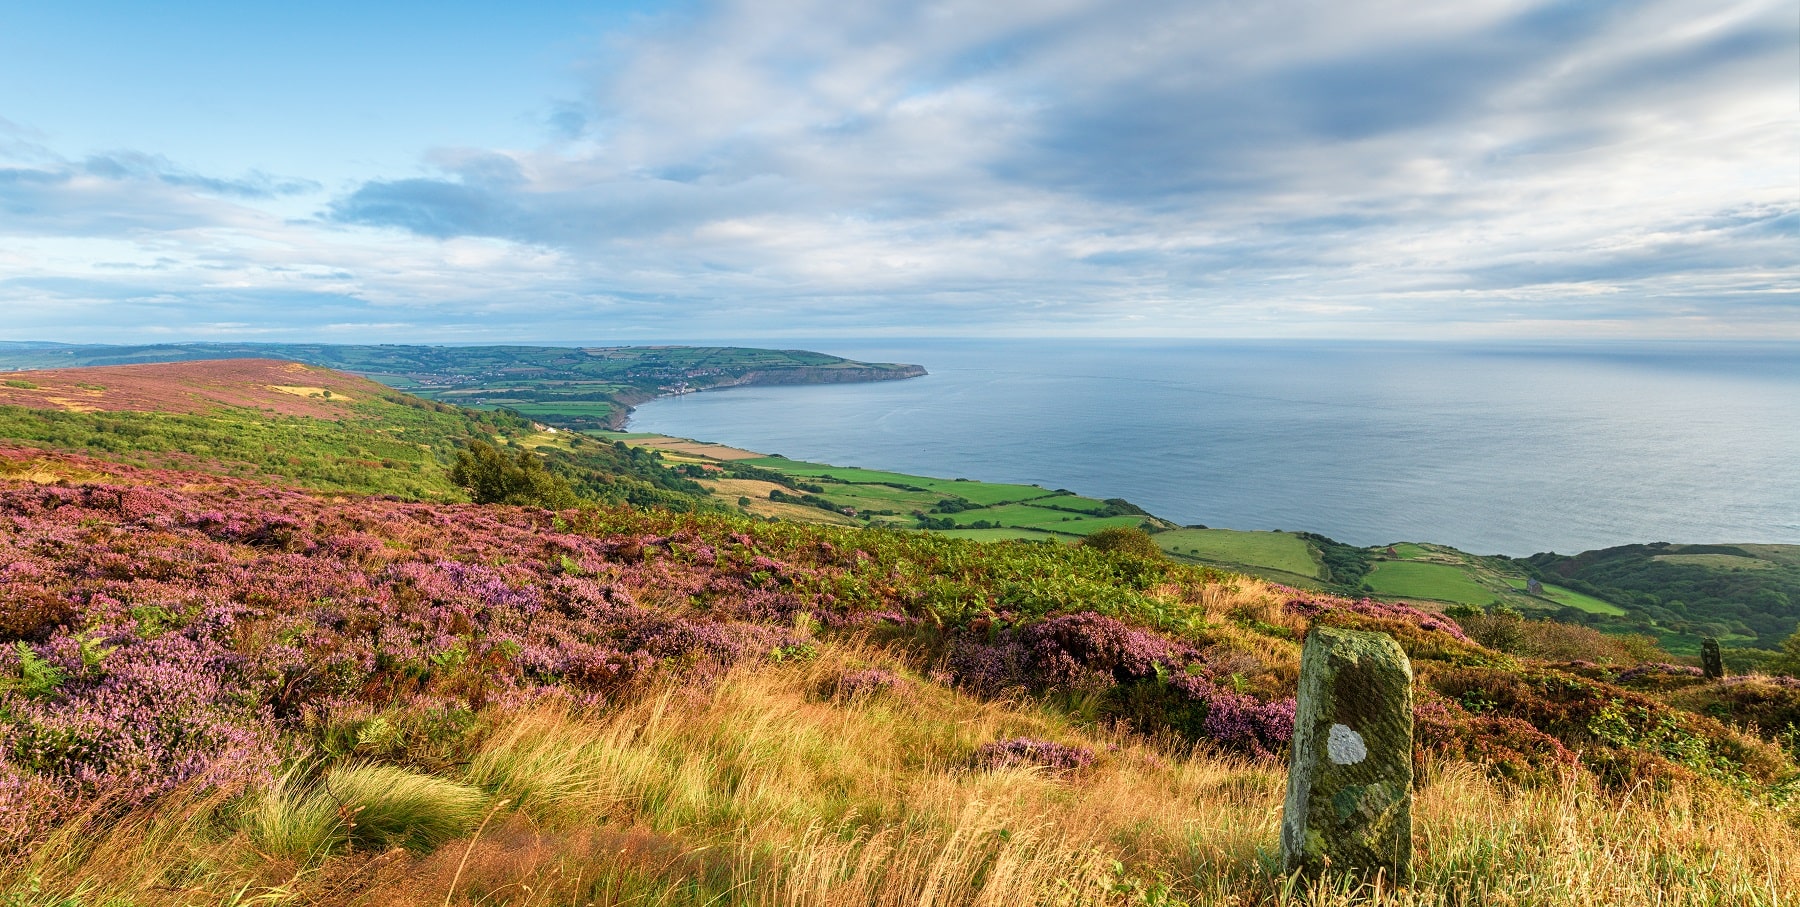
1533, 587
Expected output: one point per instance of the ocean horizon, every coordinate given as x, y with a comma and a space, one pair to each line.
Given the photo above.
1495, 448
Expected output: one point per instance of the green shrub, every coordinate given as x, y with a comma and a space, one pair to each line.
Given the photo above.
1126, 539
494, 477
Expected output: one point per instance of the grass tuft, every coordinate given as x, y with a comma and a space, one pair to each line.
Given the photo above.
363, 807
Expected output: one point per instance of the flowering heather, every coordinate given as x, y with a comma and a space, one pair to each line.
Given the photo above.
161, 629
1027, 751
1092, 653
1323, 606
867, 682
156, 637
1652, 669
1237, 721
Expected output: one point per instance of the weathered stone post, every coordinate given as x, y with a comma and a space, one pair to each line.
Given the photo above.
1711, 662
1349, 797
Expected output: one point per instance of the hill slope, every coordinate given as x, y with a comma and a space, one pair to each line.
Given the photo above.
697, 708
570, 387
313, 426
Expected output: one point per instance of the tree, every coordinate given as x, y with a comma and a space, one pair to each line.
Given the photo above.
1788, 662
493, 476
1126, 539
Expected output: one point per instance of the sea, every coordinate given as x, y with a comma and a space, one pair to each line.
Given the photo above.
1492, 448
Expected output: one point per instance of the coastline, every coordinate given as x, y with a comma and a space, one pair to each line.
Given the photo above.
803, 375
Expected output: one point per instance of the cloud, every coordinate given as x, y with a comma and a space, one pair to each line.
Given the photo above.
128, 166
1379, 167
123, 193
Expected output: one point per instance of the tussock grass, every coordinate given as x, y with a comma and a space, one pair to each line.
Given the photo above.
362, 806
763, 790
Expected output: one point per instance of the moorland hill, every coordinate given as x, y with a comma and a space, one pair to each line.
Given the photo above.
568, 387
228, 678
311, 426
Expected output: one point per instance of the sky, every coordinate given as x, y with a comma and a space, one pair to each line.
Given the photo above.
735, 170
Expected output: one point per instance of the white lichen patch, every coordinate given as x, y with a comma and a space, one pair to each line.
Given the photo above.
1345, 746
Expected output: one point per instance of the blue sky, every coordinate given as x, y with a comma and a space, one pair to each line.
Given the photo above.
748, 170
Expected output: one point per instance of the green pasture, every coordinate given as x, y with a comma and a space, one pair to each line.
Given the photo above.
625, 435
1089, 525
1273, 550
1715, 561
1575, 599
1438, 582
1407, 551
572, 408
879, 497
995, 535
1070, 502
1017, 515
983, 493
1780, 554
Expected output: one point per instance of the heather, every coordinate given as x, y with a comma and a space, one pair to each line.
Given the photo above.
354, 688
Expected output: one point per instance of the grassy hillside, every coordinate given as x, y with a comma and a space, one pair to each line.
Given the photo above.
569, 387
215, 691
1748, 594
318, 428
814, 492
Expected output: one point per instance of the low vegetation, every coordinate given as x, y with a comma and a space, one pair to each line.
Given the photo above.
570, 388
232, 684
221, 690
236, 419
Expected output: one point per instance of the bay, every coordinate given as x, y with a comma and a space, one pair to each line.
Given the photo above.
1492, 448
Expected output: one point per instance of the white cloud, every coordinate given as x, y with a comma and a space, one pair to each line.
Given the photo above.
1386, 168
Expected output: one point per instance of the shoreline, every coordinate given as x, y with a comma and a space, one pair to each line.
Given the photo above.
802, 375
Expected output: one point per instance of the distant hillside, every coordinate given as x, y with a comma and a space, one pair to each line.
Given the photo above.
316, 427
567, 387
1744, 593
272, 386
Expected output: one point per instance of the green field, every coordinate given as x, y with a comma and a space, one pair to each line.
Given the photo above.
1001, 509
1071, 502
1577, 600
880, 497
1090, 525
1438, 582
1715, 561
584, 408
996, 535
1230, 547
986, 494
1017, 515
1407, 551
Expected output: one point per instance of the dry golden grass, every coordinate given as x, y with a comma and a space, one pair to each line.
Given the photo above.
765, 791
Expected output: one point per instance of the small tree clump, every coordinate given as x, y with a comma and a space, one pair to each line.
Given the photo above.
1126, 539
493, 476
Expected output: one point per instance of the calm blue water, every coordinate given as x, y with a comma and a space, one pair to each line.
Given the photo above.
1493, 449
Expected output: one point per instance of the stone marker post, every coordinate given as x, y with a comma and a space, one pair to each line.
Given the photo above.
1349, 797
1711, 662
